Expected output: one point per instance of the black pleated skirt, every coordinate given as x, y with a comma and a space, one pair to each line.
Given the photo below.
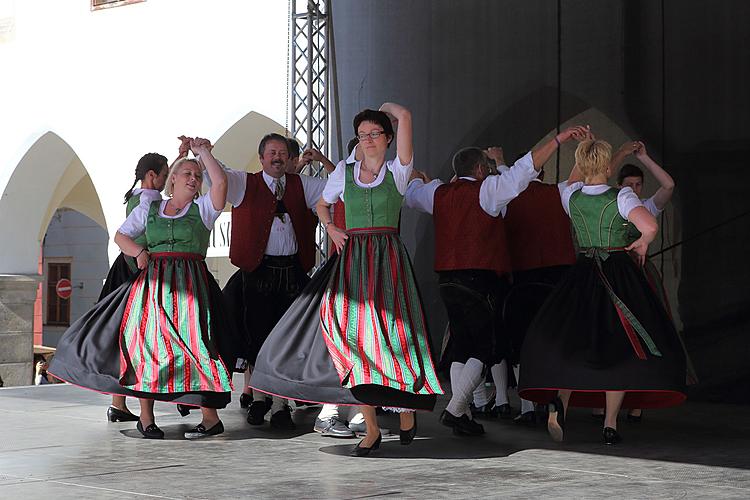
578, 340
120, 272
294, 361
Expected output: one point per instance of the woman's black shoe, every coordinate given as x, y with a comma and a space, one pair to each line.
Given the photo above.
611, 436
184, 410
245, 400
200, 431
407, 437
150, 432
117, 415
635, 419
361, 451
556, 420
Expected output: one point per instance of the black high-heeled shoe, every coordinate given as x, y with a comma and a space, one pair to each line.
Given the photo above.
361, 451
117, 415
406, 437
556, 425
611, 436
184, 410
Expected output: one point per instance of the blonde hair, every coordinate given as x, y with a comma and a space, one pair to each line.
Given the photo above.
173, 171
593, 158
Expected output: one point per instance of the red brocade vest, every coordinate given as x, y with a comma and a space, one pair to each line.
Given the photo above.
467, 237
252, 220
538, 229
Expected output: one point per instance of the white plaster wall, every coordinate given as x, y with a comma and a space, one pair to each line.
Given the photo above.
117, 83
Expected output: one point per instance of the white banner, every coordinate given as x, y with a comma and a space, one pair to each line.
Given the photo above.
218, 244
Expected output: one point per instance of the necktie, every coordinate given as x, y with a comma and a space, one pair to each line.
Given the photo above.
278, 190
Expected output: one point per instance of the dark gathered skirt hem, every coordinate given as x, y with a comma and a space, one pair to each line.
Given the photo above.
595, 398
105, 385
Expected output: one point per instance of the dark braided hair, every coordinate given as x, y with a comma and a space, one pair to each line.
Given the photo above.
150, 162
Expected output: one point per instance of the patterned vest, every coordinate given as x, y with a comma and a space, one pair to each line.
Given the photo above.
252, 220
538, 229
467, 237
379, 206
597, 220
185, 234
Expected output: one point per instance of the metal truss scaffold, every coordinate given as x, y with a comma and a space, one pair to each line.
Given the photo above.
308, 89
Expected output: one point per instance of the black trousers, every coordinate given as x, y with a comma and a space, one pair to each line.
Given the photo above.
473, 299
267, 293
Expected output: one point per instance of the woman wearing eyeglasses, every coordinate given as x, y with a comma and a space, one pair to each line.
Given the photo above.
357, 335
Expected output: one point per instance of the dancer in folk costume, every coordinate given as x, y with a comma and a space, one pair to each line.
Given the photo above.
603, 338
357, 335
473, 263
151, 171
165, 335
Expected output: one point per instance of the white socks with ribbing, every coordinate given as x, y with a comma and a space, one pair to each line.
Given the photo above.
464, 379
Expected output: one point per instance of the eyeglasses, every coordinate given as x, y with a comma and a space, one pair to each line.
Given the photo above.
372, 135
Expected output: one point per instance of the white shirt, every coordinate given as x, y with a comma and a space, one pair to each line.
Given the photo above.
281, 240
650, 205
135, 224
334, 188
495, 192
626, 198
147, 194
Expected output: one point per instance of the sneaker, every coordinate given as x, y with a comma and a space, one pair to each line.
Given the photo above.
333, 427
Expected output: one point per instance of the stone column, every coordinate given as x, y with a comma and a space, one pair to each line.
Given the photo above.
17, 296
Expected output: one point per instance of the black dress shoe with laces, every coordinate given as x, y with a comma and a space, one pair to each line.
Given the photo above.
282, 419
256, 412
332, 427
462, 425
361, 451
150, 432
556, 420
117, 415
406, 437
611, 436
200, 431
245, 400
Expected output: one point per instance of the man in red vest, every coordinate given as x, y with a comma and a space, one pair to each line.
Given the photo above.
473, 263
273, 244
540, 246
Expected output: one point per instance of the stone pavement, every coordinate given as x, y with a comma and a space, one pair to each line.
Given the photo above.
56, 443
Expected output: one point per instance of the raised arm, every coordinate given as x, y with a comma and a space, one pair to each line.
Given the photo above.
543, 153
401, 119
311, 155
666, 183
218, 190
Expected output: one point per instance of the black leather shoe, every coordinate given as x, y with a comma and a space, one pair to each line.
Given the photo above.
503, 411
462, 425
117, 415
282, 419
200, 431
361, 451
556, 420
527, 418
332, 427
245, 400
359, 430
406, 437
256, 412
150, 432
184, 410
635, 419
611, 436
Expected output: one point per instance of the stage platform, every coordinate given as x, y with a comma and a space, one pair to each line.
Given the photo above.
56, 443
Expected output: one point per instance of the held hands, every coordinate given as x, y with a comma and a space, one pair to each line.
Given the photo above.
638, 250
640, 151
579, 133
200, 145
184, 146
337, 235
496, 153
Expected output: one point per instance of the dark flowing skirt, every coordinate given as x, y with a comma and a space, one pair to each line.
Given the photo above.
123, 270
294, 362
586, 340
93, 353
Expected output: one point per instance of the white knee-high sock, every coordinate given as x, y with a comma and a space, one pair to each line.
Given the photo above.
500, 376
259, 396
329, 411
278, 404
480, 395
526, 405
463, 386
